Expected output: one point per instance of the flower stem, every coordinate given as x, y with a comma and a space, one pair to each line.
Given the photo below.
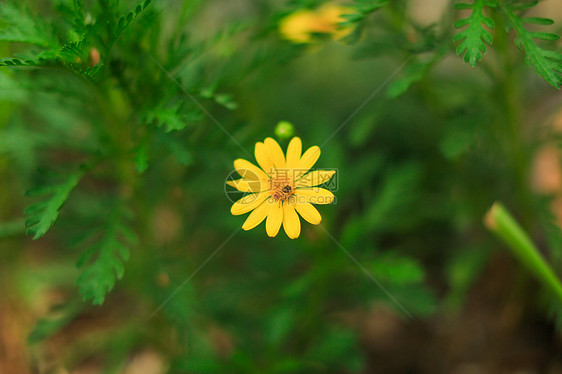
500, 222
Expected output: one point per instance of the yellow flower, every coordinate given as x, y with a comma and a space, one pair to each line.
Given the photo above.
299, 26
281, 187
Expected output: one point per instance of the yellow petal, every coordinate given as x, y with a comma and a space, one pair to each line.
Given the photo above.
307, 161
313, 195
248, 202
256, 217
296, 27
248, 170
248, 185
291, 221
274, 219
309, 213
315, 178
263, 159
275, 153
294, 152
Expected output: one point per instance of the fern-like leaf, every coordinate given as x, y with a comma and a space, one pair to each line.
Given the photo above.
474, 37
17, 62
44, 58
172, 118
41, 216
547, 64
103, 264
125, 20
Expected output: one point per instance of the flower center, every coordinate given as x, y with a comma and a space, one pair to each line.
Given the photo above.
282, 192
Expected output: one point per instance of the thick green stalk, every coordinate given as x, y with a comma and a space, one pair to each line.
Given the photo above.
513, 138
500, 222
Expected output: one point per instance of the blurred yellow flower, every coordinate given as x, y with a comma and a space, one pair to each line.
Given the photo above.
299, 26
281, 187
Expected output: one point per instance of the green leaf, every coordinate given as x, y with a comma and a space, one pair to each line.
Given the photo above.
395, 269
538, 21
473, 39
169, 118
126, 19
172, 118
141, 159
547, 64
336, 347
17, 25
47, 327
45, 58
412, 74
395, 198
460, 135
91, 74
279, 325
103, 264
183, 155
522, 5
545, 36
363, 8
41, 216
16, 62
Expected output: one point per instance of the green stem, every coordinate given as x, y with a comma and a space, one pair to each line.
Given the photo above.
500, 222
513, 138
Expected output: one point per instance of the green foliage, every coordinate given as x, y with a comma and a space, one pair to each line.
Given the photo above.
547, 64
397, 193
17, 25
103, 263
363, 9
393, 269
413, 73
500, 221
125, 20
41, 216
170, 118
474, 37
157, 102
60, 318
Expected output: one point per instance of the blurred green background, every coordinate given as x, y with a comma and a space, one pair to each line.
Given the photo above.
121, 120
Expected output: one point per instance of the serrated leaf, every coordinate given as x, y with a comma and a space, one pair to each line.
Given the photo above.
474, 37
125, 20
41, 216
44, 58
103, 264
169, 118
547, 64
